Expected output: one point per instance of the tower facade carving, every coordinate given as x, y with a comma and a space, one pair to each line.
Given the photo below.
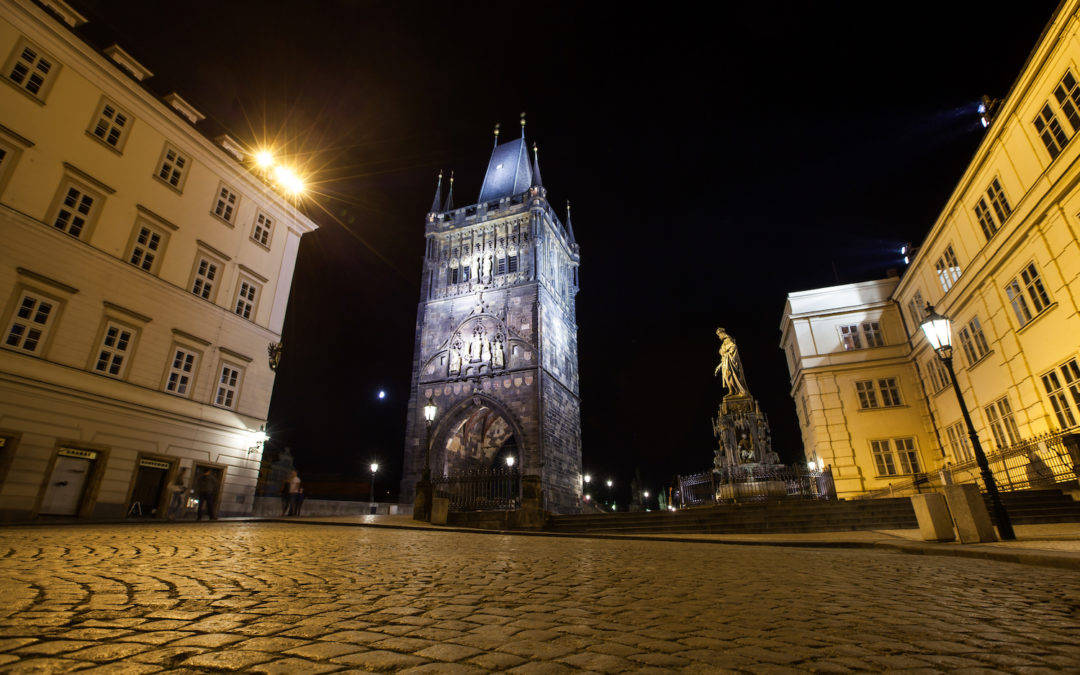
496, 335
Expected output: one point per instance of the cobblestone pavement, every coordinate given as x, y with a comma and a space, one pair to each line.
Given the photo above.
284, 598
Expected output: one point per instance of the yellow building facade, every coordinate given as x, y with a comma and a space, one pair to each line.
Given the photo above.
145, 270
1002, 261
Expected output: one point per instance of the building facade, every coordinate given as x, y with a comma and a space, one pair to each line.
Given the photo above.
145, 270
1002, 261
496, 335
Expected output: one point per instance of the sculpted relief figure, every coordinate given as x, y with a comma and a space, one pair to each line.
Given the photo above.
487, 267
730, 367
455, 358
497, 356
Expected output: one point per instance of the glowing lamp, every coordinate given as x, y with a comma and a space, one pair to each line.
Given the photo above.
374, 467
645, 494
430, 409
609, 483
588, 478
264, 159
509, 460
812, 465
938, 331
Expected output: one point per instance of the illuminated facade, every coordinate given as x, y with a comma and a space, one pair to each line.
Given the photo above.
1002, 261
144, 272
496, 335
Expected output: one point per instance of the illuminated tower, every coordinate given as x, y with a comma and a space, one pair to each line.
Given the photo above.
496, 334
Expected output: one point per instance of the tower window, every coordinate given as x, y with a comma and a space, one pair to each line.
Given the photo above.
512, 263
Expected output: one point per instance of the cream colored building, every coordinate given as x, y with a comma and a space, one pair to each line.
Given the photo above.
1002, 260
144, 271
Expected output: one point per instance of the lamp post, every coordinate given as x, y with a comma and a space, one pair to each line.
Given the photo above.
374, 468
938, 331
422, 503
610, 500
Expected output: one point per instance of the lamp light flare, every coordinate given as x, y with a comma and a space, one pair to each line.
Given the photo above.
264, 159
374, 467
510, 460
382, 394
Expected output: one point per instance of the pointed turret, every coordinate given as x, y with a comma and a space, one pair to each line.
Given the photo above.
569, 225
438, 195
536, 167
449, 205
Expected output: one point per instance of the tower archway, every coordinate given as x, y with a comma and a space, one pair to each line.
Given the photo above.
478, 433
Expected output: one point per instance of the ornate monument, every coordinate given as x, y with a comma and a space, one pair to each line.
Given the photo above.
496, 334
741, 429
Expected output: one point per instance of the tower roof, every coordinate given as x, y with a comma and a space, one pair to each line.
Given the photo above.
508, 171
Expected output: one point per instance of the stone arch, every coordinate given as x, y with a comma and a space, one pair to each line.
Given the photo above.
476, 433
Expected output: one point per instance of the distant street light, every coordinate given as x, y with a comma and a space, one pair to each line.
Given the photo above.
609, 498
509, 461
938, 331
374, 468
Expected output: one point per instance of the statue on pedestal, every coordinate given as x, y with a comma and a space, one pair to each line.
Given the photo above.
740, 427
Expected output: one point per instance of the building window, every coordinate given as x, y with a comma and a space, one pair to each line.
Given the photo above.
204, 284
225, 204
10, 150
1028, 286
973, 341
948, 268
264, 224
917, 307
500, 265
111, 125
872, 333
939, 374
959, 443
112, 355
512, 263
76, 209
1064, 378
887, 392
1002, 423
147, 247
895, 456
849, 337
466, 273
986, 219
454, 272
228, 386
1067, 94
28, 329
867, 395
246, 296
173, 167
181, 372
1050, 131
999, 201
31, 70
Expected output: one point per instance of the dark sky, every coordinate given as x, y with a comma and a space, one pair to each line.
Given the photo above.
717, 156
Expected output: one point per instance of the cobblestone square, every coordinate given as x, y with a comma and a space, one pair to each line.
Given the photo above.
295, 598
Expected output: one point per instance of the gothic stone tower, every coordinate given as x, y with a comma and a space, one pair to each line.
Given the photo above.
496, 335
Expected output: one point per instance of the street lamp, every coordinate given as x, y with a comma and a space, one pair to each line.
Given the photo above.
422, 503
374, 468
510, 461
610, 500
938, 331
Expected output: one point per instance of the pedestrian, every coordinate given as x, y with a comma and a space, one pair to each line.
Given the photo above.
295, 494
285, 496
177, 494
206, 485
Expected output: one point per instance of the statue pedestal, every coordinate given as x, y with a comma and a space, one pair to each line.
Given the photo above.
743, 436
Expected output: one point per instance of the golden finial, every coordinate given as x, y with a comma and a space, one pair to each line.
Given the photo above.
522, 120
496, 130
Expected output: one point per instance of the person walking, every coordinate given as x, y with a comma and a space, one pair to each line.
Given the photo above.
178, 493
285, 496
295, 494
206, 485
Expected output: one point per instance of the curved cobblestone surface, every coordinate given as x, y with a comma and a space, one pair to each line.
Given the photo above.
281, 598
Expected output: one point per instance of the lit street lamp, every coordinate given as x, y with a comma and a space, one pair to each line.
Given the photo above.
510, 461
423, 489
938, 331
610, 500
374, 468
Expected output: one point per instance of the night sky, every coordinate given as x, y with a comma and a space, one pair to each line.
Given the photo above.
716, 160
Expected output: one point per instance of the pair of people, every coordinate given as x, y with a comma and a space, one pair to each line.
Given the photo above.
292, 495
206, 487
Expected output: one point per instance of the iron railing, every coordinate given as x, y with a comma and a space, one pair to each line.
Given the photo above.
480, 489
753, 483
1042, 462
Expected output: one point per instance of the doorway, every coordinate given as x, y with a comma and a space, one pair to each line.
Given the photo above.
147, 495
219, 477
67, 482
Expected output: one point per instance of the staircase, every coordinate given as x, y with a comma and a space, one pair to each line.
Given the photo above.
795, 516
1026, 507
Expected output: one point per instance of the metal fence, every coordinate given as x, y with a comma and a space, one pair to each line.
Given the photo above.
480, 489
1042, 462
753, 483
